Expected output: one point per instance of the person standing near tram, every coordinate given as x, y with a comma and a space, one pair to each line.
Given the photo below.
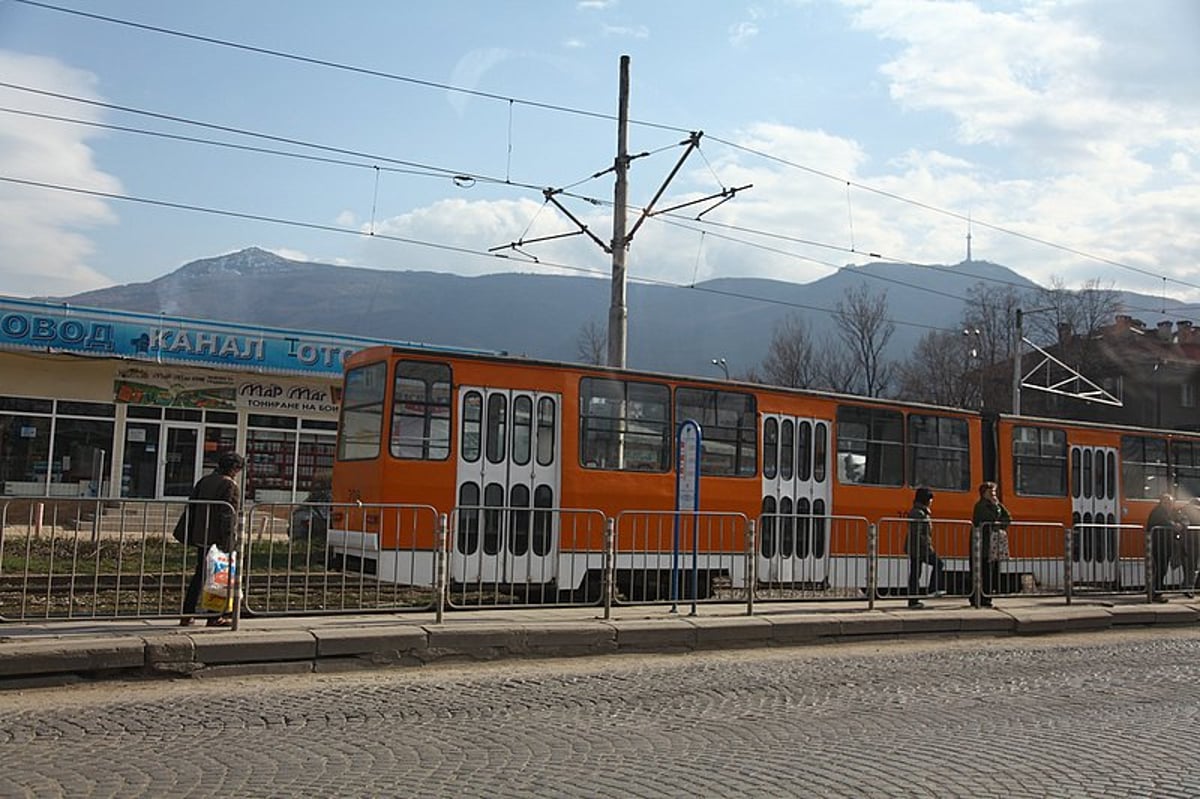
919, 547
1165, 525
989, 516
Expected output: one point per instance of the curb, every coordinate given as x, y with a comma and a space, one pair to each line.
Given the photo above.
165, 654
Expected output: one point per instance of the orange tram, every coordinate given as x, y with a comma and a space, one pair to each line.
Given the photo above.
465, 432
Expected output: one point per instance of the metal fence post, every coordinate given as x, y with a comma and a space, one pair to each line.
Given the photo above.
977, 565
1148, 564
872, 564
441, 572
751, 566
610, 542
238, 562
1069, 562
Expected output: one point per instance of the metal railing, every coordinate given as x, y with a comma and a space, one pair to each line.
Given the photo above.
108, 559
302, 557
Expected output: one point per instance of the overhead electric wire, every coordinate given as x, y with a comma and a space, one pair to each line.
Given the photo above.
540, 105
585, 113
321, 62
421, 243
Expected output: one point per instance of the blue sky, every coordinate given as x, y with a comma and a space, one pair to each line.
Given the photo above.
1069, 132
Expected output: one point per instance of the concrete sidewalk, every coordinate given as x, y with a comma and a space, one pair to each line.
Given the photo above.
62, 652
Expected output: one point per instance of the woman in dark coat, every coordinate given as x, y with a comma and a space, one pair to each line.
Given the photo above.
989, 516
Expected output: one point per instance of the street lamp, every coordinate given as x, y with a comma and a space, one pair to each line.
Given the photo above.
724, 366
975, 356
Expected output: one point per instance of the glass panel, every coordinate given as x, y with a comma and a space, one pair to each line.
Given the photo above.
770, 447
787, 449
547, 413
82, 456
769, 521
624, 425
183, 444
820, 448
24, 454
543, 520
468, 518
362, 413
270, 465
870, 446
1040, 461
472, 426
522, 425
421, 411
497, 427
139, 473
939, 452
804, 451
519, 521
493, 500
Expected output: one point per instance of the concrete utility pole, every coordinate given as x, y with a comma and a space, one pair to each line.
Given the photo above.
1016, 379
618, 313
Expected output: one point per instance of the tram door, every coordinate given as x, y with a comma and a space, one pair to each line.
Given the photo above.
1094, 514
793, 533
508, 480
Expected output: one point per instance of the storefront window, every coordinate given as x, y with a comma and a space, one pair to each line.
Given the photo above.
82, 456
24, 454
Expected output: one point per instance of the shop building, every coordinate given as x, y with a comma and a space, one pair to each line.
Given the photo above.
98, 403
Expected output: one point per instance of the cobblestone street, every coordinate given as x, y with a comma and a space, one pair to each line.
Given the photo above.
1094, 715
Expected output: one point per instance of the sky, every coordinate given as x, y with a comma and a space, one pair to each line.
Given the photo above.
1063, 135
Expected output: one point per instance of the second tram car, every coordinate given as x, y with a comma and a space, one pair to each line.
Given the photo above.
475, 436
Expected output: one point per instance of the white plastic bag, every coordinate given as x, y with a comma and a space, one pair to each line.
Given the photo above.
220, 573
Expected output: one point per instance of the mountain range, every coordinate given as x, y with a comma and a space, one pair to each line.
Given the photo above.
671, 329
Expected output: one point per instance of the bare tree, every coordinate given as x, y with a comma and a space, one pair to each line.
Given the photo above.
1081, 312
992, 310
835, 369
865, 329
789, 360
591, 344
944, 370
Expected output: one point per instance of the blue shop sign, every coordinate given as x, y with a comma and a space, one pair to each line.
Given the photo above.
30, 325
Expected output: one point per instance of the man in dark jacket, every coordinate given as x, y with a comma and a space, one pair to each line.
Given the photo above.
919, 546
210, 518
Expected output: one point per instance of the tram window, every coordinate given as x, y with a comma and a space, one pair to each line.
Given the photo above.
522, 424
496, 427
939, 453
472, 426
1185, 456
770, 447
804, 451
421, 411
1039, 461
362, 413
546, 431
820, 446
1144, 470
787, 449
870, 446
729, 429
624, 425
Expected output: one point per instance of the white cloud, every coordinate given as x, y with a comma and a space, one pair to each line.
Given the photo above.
465, 230
742, 32
628, 31
43, 244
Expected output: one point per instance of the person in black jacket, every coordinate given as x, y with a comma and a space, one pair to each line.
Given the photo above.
1165, 526
210, 518
989, 516
919, 546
